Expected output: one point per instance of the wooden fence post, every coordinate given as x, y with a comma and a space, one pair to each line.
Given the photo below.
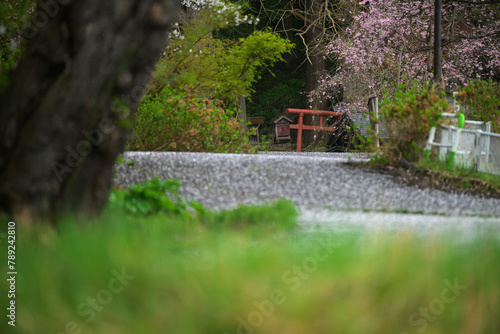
374, 121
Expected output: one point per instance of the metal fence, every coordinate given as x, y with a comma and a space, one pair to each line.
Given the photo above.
488, 160
478, 148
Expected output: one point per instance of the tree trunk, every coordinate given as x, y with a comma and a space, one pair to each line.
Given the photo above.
315, 67
437, 45
286, 26
69, 108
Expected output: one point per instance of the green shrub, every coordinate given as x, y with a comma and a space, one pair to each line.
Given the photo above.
152, 197
157, 197
176, 120
409, 116
481, 101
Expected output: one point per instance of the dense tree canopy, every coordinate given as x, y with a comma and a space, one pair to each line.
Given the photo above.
211, 65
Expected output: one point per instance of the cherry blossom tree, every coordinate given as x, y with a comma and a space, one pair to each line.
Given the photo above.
391, 42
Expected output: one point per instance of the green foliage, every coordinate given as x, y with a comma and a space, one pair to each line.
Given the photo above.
276, 94
152, 197
215, 68
409, 115
281, 214
13, 17
210, 70
176, 120
481, 101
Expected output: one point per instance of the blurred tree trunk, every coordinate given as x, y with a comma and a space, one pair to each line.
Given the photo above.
69, 108
286, 32
315, 64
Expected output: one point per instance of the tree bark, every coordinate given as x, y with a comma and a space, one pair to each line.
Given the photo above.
69, 108
437, 41
286, 24
315, 67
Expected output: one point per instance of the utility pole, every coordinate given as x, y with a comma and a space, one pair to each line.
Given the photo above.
437, 41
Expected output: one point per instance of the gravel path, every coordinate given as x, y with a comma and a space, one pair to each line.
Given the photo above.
314, 182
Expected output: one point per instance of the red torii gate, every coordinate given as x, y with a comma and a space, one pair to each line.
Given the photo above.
301, 126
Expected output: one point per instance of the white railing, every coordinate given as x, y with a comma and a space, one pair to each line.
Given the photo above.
448, 145
486, 156
478, 148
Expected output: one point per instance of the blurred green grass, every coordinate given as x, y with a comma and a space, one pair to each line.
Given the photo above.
252, 273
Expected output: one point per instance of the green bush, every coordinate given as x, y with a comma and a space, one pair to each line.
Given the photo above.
409, 116
481, 101
158, 196
176, 120
152, 197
